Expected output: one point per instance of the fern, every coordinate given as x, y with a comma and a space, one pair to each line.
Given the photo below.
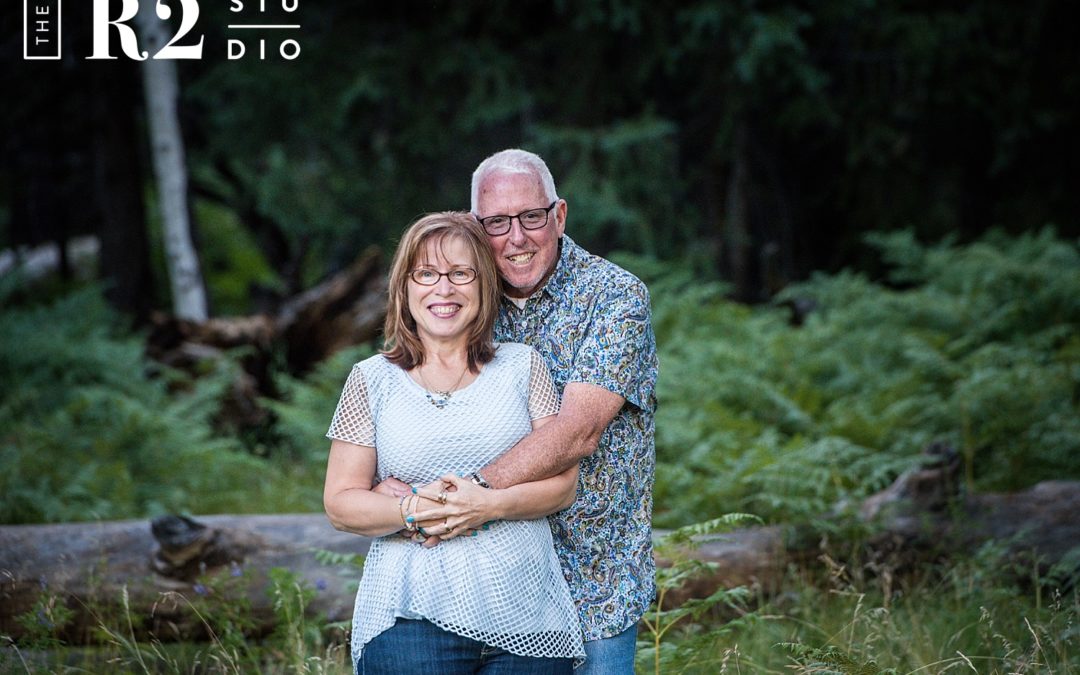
977, 346
92, 430
306, 405
680, 567
831, 659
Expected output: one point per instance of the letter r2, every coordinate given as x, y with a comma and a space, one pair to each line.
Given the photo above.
129, 43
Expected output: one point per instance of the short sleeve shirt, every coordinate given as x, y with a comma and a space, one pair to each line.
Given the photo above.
591, 323
504, 587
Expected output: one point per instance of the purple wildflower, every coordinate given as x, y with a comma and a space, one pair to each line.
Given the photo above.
200, 589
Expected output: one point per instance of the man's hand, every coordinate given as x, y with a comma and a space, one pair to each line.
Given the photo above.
392, 487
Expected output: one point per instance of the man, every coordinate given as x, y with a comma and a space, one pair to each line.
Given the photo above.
590, 320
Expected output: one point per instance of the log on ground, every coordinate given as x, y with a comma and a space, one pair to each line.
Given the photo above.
173, 561
217, 559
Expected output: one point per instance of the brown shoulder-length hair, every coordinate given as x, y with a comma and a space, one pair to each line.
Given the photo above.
402, 345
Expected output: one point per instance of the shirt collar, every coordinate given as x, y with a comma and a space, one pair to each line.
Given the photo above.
560, 278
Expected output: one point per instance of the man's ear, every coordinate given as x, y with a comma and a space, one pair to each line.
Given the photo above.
560, 217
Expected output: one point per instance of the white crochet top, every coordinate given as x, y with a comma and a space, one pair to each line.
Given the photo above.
503, 587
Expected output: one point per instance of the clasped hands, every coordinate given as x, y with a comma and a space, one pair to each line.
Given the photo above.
450, 506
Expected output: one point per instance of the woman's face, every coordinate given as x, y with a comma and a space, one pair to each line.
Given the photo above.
444, 311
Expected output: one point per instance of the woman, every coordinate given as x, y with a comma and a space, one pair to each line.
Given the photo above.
444, 399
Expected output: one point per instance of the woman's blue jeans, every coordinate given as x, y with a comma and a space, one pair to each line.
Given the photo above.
411, 646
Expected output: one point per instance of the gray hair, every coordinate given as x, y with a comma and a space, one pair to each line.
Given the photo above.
513, 161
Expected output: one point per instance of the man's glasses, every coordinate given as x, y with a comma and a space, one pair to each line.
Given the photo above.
428, 277
533, 219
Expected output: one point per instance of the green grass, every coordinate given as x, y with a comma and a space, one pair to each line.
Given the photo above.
964, 618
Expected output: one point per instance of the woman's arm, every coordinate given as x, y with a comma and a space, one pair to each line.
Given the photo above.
468, 506
348, 499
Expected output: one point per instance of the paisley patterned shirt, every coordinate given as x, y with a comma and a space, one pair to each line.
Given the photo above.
591, 323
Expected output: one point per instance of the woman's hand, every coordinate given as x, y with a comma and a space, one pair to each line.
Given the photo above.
419, 527
460, 508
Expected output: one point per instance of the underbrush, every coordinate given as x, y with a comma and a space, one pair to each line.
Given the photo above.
975, 615
90, 429
222, 614
966, 617
781, 411
833, 390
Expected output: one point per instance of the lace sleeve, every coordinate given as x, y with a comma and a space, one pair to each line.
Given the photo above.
352, 420
543, 397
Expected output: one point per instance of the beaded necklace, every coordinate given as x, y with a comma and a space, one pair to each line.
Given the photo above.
444, 396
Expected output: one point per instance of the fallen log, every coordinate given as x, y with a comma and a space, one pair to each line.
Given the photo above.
923, 517
166, 564
168, 567
926, 514
346, 309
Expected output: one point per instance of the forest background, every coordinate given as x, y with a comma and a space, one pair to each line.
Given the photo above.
859, 221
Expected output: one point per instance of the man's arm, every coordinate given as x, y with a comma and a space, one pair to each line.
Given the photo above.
587, 409
616, 354
529, 481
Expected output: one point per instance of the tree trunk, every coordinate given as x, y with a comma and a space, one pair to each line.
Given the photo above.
736, 239
161, 89
125, 251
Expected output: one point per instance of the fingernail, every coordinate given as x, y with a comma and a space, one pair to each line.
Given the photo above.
474, 533
485, 526
414, 490
410, 519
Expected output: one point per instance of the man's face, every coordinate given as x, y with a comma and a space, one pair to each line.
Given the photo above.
525, 258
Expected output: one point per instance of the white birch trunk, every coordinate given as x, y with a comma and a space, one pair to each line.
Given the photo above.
160, 84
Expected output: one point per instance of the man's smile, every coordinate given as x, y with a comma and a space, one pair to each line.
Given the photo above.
520, 258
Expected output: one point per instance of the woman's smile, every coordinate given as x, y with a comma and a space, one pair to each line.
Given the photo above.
444, 310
